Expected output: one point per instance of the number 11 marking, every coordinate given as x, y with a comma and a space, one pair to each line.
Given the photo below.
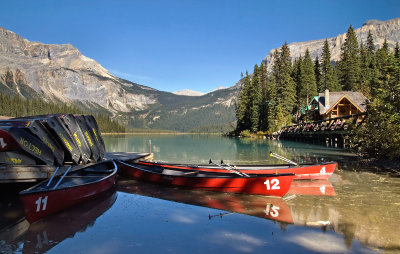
2, 144
39, 203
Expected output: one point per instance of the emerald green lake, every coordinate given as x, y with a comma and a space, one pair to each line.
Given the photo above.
355, 211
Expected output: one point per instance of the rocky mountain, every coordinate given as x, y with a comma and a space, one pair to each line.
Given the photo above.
61, 73
380, 30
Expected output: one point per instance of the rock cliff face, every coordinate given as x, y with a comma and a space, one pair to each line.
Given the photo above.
62, 73
380, 30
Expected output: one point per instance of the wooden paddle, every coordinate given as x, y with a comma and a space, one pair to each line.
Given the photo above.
233, 170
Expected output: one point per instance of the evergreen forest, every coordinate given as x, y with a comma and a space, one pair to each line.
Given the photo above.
271, 100
17, 106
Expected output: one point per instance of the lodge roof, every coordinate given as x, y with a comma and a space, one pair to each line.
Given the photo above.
357, 98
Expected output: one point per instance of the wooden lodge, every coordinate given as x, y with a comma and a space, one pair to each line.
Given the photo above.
341, 104
331, 115
329, 105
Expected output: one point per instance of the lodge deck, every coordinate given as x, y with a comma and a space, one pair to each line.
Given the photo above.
331, 131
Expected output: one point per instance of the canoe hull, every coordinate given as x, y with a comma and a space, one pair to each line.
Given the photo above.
39, 204
318, 171
274, 185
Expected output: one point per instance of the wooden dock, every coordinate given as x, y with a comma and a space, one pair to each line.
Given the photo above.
33, 173
332, 132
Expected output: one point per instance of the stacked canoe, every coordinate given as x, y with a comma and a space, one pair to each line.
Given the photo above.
72, 145
51, 140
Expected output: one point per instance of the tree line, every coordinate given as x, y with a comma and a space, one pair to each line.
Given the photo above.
17, 106
267, 101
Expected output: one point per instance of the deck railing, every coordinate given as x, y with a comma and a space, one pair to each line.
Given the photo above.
331, 124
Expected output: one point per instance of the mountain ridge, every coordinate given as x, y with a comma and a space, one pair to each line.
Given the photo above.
380, 30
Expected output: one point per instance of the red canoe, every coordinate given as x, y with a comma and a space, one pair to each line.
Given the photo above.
303, 171
68, 190
260, 184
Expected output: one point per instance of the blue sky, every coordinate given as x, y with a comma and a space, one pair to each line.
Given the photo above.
175, 45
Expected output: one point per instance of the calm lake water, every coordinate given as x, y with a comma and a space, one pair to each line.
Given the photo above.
356, 211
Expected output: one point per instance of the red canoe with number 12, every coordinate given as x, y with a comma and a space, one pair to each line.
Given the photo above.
257, 184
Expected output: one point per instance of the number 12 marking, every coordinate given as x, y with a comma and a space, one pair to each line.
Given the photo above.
274, 183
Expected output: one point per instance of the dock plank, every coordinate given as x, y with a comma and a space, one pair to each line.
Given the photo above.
33, 173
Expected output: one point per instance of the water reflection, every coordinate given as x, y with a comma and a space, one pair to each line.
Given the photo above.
366, 208
46, 233
43, 235
254, 205
200, 148
13, 225
354, 211
312, 187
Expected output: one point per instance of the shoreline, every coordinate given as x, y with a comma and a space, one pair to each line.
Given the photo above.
381, 165
157, 133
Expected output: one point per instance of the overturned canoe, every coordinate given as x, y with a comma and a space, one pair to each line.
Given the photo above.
258, 184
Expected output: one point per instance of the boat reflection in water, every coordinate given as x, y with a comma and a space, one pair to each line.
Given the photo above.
271, 208
315, 187
13, 225
47, 233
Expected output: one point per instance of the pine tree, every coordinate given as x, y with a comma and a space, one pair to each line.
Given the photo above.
379, 136
365, 74
264, 98
296, 75
349, 64
317, 73
397, 51
255, 98
242, 106
328, 76
397, 63
286, 88
309, 86
370, 44
272, 102
373, 74
382, 57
